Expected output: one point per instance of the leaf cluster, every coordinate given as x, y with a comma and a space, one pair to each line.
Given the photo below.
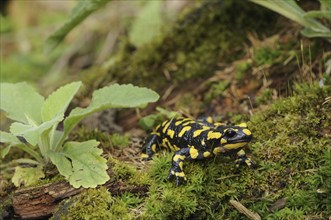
36, 129
291, 10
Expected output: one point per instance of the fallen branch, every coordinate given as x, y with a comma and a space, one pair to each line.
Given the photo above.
242, 209
41, 201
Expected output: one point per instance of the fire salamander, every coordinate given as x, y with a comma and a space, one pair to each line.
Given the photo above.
197, 140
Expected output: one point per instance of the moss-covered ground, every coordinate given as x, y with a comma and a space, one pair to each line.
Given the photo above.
287, 110
292, 179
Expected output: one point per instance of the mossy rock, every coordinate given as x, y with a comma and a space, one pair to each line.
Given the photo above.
209, 33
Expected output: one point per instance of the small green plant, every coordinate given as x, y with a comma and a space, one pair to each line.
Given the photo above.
150, 121
79, 13
36, 129
291, 10
119, 140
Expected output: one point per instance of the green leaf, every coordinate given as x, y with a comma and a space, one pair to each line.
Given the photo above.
318, 14
13, 141
58, 101
114, 96
148, 122
27, 175
307, 32
81, 11
21, 102
9, 138
32, 133
147, 24
81, 164
5, 151
291, 10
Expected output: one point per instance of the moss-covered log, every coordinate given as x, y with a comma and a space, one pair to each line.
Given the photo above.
40, 201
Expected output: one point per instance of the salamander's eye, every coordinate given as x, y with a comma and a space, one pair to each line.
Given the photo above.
230, 133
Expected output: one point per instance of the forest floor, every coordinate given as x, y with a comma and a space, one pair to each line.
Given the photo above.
279, 84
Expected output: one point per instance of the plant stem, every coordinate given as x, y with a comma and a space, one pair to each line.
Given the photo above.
30, 151
44, 145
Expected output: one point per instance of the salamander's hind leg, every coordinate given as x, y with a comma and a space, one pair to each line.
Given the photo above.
150, 147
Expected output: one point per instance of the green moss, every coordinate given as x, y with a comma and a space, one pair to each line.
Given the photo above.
292, 151
216, 90
128, 173
265, 97
54, 179
201, 38
119, 140
83, 134
291, 148
100, 204
266, 56
292, 145
242, 68
188, 103
93, 204
121, 170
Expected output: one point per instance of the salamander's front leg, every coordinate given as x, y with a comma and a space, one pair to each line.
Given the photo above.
150, 147
176, 169
243, 159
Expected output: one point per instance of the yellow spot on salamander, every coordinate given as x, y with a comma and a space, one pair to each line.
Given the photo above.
171, 133
194, 153
203, 143
206, 154
248, 161
179, 157
154, 148
241, 153
223, 141
213, 135
143, 155
217, 150
234, 146
181, 164
218, 124
182, 132
187, 123
178, 122
198, 132
167, 144
209, 120
166, 127
243, 125
247, 132
180, 174
175, 147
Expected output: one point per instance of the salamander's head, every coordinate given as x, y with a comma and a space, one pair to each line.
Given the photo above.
234, 137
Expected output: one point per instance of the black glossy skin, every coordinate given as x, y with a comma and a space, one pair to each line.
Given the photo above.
196, 140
